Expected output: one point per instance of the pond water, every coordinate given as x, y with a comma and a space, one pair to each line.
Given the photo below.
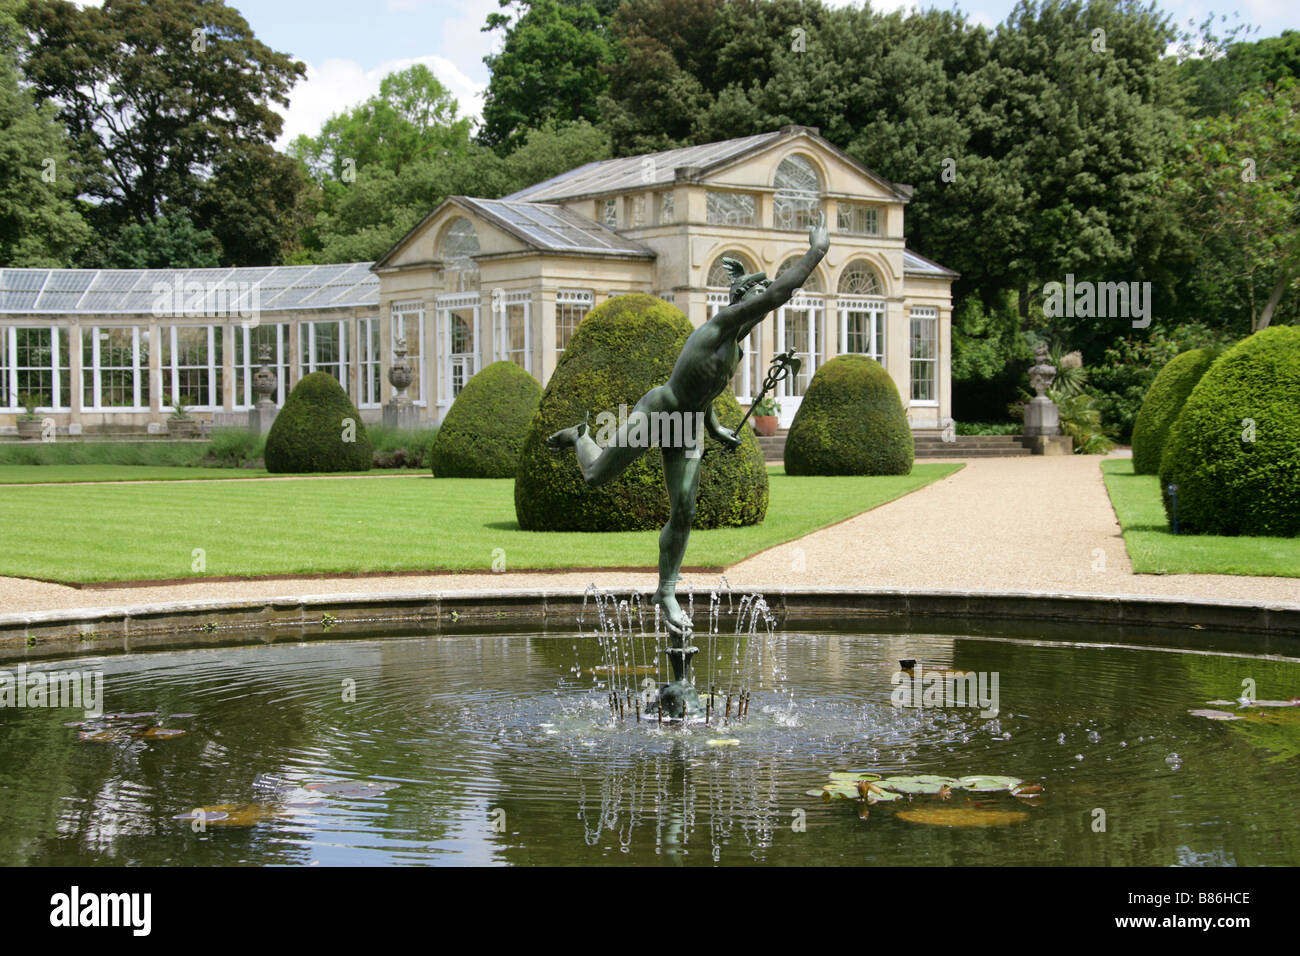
502, 750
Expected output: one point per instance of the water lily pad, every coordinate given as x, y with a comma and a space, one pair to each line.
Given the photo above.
873, 793
961, 816
926, 783
1214, 714
1271, 703
981, 783
853, 776
1027, 790
723, 742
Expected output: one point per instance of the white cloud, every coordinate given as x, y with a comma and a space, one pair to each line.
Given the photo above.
337, 85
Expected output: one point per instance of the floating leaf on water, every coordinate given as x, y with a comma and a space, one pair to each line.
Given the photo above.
1027, 790
161, 733
1272, 703
920, 783
181, 716
981, 783
209, 815
354, 788
853, 776
99, 736
961, 816
1214, 714
814, 793
723, 742
1221, 703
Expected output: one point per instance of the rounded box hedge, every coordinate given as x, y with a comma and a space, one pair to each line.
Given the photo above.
1234, 450
318, 430
483, 433
850, 422
1163, 401
621, 350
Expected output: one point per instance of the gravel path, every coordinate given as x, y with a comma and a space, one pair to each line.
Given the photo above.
999, 524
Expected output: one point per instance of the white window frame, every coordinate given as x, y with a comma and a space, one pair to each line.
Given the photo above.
846, 209
569, 297
138, 373
713, 199
466, 362
9, 356
307, 356
501, 327
370, 365
931, 315
815, 303
245, 369
874, 308
170, 369
398, 313
747, 380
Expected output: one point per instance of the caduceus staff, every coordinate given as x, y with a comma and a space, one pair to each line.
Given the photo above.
784, 366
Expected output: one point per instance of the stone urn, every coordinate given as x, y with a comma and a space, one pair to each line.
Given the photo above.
1042, 417
400, 412
264, 384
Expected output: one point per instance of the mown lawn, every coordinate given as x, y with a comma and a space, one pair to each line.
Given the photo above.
35, 474
127, 532
1154, 549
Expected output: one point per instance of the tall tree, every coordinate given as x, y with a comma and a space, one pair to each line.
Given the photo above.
548, 69
40, 224
154, 92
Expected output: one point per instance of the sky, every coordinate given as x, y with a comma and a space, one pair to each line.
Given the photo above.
350, 45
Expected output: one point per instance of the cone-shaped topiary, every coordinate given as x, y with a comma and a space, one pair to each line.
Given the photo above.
1164, 400
484, 431
850, 422
318, 429
620, 351
1234, 450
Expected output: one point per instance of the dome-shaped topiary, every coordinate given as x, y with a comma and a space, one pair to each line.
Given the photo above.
621, 350
1234, 450
850, 422
319, 429
1164, 400
484, 431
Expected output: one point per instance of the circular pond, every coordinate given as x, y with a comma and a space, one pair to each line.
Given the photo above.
503, 749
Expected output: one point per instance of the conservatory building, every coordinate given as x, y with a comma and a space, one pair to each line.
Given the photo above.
482, 280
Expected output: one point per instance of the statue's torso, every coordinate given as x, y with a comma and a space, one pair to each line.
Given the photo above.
704, 369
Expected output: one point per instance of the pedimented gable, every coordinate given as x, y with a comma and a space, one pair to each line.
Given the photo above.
840, 174
423, 243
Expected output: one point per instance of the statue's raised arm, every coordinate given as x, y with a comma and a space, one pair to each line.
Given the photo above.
762, 298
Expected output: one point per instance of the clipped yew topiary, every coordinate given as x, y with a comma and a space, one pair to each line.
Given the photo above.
621, 350
850, 422
1164, 400
484, 431
319, 429
1234, 450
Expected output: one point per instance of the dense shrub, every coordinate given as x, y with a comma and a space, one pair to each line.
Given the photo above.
850, 422
310, 433
621, 350
1162, 404
484, 431
171, 454
1234, 450
234, 447
400, 447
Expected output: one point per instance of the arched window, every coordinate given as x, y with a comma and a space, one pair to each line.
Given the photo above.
719, 277
798, 193
812, 284
459, 244
859, 278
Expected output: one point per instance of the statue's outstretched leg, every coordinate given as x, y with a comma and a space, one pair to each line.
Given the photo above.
603, 464
682, 473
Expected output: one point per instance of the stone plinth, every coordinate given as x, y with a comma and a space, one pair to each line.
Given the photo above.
260, 417
405, 416
1042, 417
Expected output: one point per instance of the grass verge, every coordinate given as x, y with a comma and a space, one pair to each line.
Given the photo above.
1154, 549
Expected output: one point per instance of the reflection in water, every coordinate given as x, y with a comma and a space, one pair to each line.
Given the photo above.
502, 749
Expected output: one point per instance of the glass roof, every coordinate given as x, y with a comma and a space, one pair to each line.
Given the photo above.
135, 291
556, 229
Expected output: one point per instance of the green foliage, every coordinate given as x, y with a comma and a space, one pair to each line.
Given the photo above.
233, 447
152, 453
484, 430
1163, 402
549, 68
1081, 419
621, 350
850, 422
151, 106
1120, 382
989, 356
767, 407
400, 448
989, 428
310, 432
1234, 450
168, 242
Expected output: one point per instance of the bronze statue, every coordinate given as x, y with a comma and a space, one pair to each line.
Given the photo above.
703, 370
